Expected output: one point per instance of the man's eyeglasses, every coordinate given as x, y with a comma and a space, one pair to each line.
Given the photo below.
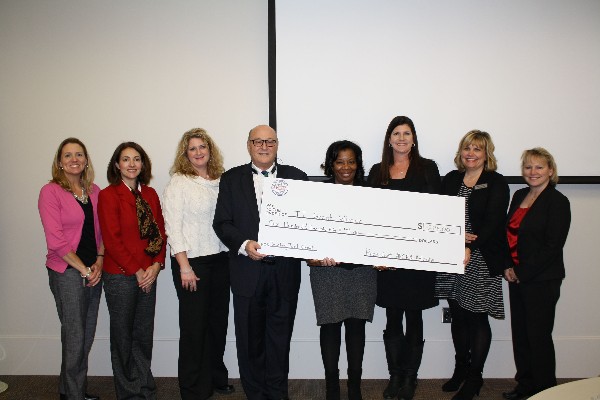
260, 142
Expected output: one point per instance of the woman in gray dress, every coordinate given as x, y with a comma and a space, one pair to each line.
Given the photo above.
343, 293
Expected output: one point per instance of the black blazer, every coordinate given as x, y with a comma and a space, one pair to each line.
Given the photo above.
236, 220
487, 213
542, 235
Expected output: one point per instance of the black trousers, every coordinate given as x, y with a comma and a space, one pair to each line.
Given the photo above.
263, 331
532, 309
203, 317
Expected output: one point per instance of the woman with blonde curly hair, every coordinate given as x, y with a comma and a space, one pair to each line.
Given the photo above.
199, 264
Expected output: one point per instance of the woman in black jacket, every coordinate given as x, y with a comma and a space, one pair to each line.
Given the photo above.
477, 293
404, 293
538, 223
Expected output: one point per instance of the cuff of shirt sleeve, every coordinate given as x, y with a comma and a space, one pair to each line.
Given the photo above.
242, 249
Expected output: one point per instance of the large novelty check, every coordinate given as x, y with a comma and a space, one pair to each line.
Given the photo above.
362, 225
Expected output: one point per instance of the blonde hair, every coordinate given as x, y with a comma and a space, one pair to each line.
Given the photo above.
58, 174
182, 164
482, 139
541, 153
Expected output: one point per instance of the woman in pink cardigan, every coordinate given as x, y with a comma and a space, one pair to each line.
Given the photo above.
68, 208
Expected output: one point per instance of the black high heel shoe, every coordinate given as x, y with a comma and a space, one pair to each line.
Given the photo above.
461, 368
470, 388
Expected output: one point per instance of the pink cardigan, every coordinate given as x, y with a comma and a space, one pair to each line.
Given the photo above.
62, 219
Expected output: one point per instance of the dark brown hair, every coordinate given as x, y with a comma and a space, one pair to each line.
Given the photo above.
387, 154
113, 175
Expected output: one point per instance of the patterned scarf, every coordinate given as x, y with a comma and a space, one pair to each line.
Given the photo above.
147, 225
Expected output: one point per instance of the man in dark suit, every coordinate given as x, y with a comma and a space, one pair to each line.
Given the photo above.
265, 289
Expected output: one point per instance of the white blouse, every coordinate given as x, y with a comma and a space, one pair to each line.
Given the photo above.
189, 208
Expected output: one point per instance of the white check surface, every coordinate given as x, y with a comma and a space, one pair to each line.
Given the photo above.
362, 225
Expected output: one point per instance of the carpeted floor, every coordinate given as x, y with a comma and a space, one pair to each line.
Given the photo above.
22, 387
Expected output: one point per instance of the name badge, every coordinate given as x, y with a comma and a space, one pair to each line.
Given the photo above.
480, 186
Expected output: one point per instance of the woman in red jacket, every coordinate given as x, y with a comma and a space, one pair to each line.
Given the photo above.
134, 238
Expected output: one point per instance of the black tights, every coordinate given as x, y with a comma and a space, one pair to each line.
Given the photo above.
331, 340
471, 334
414, 325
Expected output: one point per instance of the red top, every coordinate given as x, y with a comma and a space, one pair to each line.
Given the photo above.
512, 232
123, 248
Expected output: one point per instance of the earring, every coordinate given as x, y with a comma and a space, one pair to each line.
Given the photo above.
389, 144
413, 145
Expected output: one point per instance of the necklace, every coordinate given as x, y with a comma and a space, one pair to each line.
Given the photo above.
469, 181
400, 167
533, 197
83, 198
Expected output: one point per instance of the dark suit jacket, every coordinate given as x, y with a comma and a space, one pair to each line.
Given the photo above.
236, 220
124, 250
542, 235
487, 213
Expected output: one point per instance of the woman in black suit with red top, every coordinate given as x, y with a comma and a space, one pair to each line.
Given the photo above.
538, 223
477, 294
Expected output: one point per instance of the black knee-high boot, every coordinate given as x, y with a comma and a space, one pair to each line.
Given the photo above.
393, 348
330, 339
411, 364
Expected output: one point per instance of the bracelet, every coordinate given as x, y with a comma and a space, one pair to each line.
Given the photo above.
187, 271
89, 272
100, 255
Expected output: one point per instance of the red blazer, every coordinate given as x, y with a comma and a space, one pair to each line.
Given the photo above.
124, 250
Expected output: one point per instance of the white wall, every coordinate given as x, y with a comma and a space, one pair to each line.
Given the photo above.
526, 71
108, 71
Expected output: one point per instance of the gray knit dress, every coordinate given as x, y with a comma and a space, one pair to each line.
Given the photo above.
344, 291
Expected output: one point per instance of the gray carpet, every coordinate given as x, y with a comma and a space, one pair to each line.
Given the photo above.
26, 387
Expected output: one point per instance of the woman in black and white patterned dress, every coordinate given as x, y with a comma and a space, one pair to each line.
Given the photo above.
478, 293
